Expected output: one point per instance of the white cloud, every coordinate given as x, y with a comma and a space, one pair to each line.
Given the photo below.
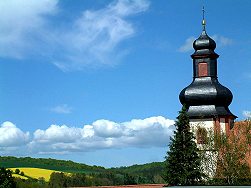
106, 128
96, 35
247, 114
23, 24
221, 41
92, 40
101, 134
62, 109
57, 133
11, 136
188, 45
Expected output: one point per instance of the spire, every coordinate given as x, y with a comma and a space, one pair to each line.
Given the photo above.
204, 45
203, 20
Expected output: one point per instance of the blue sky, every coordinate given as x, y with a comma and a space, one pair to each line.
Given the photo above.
97, 82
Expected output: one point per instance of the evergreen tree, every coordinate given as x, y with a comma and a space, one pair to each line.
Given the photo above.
183, 166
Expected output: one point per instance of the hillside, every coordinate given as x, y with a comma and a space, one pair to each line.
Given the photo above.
146, 173
51, 164
35, 173
151, 172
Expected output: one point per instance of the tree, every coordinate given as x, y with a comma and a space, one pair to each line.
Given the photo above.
57, 180
231, 154
129, 179
6, 179
17, 171
183, 166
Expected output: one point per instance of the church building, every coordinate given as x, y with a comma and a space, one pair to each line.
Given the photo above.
206, 99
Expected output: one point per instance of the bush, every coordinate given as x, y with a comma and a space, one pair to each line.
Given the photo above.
17, 171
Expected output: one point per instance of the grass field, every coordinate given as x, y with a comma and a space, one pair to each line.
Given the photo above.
35, 172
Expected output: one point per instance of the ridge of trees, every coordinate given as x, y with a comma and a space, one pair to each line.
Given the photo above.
51, 164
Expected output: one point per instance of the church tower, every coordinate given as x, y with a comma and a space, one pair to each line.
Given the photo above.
207, 100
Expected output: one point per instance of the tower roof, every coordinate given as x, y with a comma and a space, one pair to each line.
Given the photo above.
204, 42
204, 45
205, 96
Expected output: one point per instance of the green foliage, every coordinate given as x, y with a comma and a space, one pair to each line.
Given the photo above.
146, 173
58, 180
17, 171
183, 166
84, 175
78, 180
231, 163
6, 179
229, 154
30, 183
129, 180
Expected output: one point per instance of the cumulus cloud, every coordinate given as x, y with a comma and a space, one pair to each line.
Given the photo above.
62, 109
101, 134
11, 136
221, 41
247, 114
57, 133
91, 40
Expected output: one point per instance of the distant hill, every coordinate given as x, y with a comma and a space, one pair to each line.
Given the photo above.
51, 164
151, 171
146, 173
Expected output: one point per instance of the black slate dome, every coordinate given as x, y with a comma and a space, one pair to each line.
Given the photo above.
204, 42
206, 91
205, 96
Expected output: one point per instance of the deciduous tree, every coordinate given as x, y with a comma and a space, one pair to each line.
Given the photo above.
6, 179
226, 155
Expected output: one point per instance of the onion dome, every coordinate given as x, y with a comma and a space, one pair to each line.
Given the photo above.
204, 42
204, 45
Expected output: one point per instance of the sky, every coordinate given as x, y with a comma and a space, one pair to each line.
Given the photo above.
97, 82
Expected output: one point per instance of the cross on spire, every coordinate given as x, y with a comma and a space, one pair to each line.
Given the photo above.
203, 12
203, 19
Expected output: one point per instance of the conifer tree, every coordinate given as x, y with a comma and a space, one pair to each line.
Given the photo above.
183, 166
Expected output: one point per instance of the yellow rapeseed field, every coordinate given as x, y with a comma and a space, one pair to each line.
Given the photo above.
19, 176
36, 172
